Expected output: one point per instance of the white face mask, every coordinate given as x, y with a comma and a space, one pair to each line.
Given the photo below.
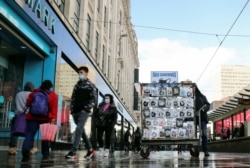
81, 77
107, 101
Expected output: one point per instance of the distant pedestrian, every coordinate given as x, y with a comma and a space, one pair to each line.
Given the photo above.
127, 140
242, 130
113, 141
137, 139
20, 101
228, 133
33, 122
83, 99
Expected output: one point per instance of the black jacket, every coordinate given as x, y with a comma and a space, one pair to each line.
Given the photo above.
202, 105
84, 96
110, 115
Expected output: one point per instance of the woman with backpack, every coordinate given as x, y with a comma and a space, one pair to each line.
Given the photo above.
49, 101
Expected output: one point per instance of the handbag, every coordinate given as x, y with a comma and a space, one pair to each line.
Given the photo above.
19, 125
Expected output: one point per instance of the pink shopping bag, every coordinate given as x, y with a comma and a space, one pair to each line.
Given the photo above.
48, 131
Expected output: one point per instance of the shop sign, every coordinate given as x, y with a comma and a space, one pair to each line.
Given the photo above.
164, 77
43, 13
244, 101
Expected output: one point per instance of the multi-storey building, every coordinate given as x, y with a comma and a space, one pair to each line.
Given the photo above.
106, 33
229, 79
49, 39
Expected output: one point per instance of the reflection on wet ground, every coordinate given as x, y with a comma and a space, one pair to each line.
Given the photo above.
120, 159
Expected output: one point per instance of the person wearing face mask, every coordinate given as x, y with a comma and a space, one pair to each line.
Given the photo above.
83, 99
105, 120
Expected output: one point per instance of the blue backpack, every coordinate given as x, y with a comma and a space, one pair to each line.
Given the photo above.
40, 104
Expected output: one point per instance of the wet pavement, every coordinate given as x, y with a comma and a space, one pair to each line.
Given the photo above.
120, 159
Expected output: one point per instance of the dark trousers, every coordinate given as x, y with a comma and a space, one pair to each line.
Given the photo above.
137, 144
31, 128
204, 136
100, 132
13, 138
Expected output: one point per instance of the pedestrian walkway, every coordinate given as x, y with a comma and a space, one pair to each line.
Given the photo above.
120, 159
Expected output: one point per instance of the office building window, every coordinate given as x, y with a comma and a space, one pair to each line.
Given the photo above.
88, 32
118, 80
60, 4
108, 66
105, 16
120, 17
103, 58
76, 16
98, 6
110, 29
96, 45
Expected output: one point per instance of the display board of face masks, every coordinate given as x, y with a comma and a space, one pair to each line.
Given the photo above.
167, 111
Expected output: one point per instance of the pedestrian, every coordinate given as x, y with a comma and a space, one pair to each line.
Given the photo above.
127, 140
137, 139
83, 99
201, 107
242, 130
33, 121
113, 141
20, 101
228, 133
105, 117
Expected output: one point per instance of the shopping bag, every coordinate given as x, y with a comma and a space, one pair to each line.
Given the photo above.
48, 131
19, 125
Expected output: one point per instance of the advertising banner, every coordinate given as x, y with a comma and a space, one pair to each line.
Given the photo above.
164, 77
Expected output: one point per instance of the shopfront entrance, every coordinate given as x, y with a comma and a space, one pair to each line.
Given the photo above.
15, 50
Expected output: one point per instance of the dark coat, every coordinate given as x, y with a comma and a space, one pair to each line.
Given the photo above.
201, 104
110, 115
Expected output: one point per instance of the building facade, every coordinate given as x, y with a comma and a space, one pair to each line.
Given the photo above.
49, 39
229, 79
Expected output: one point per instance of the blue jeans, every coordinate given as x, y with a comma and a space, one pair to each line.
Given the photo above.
80, 120
31, 128
204, 136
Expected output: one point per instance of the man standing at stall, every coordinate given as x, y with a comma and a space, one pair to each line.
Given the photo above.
201, 107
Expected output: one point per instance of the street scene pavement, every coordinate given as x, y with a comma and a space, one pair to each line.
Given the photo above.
121, 159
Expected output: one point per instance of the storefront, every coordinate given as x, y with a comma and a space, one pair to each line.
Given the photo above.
231, 114
36, 45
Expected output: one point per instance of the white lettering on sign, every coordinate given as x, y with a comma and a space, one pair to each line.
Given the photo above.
43, 13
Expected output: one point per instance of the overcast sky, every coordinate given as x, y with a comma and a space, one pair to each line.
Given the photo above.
185, 36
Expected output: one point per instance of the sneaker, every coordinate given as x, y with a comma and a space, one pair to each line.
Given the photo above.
106, 153
90, 154
12, 151
206, 154
33, 151
70, 155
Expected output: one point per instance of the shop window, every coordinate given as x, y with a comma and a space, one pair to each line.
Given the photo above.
248, 115
11, 82
218, 128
